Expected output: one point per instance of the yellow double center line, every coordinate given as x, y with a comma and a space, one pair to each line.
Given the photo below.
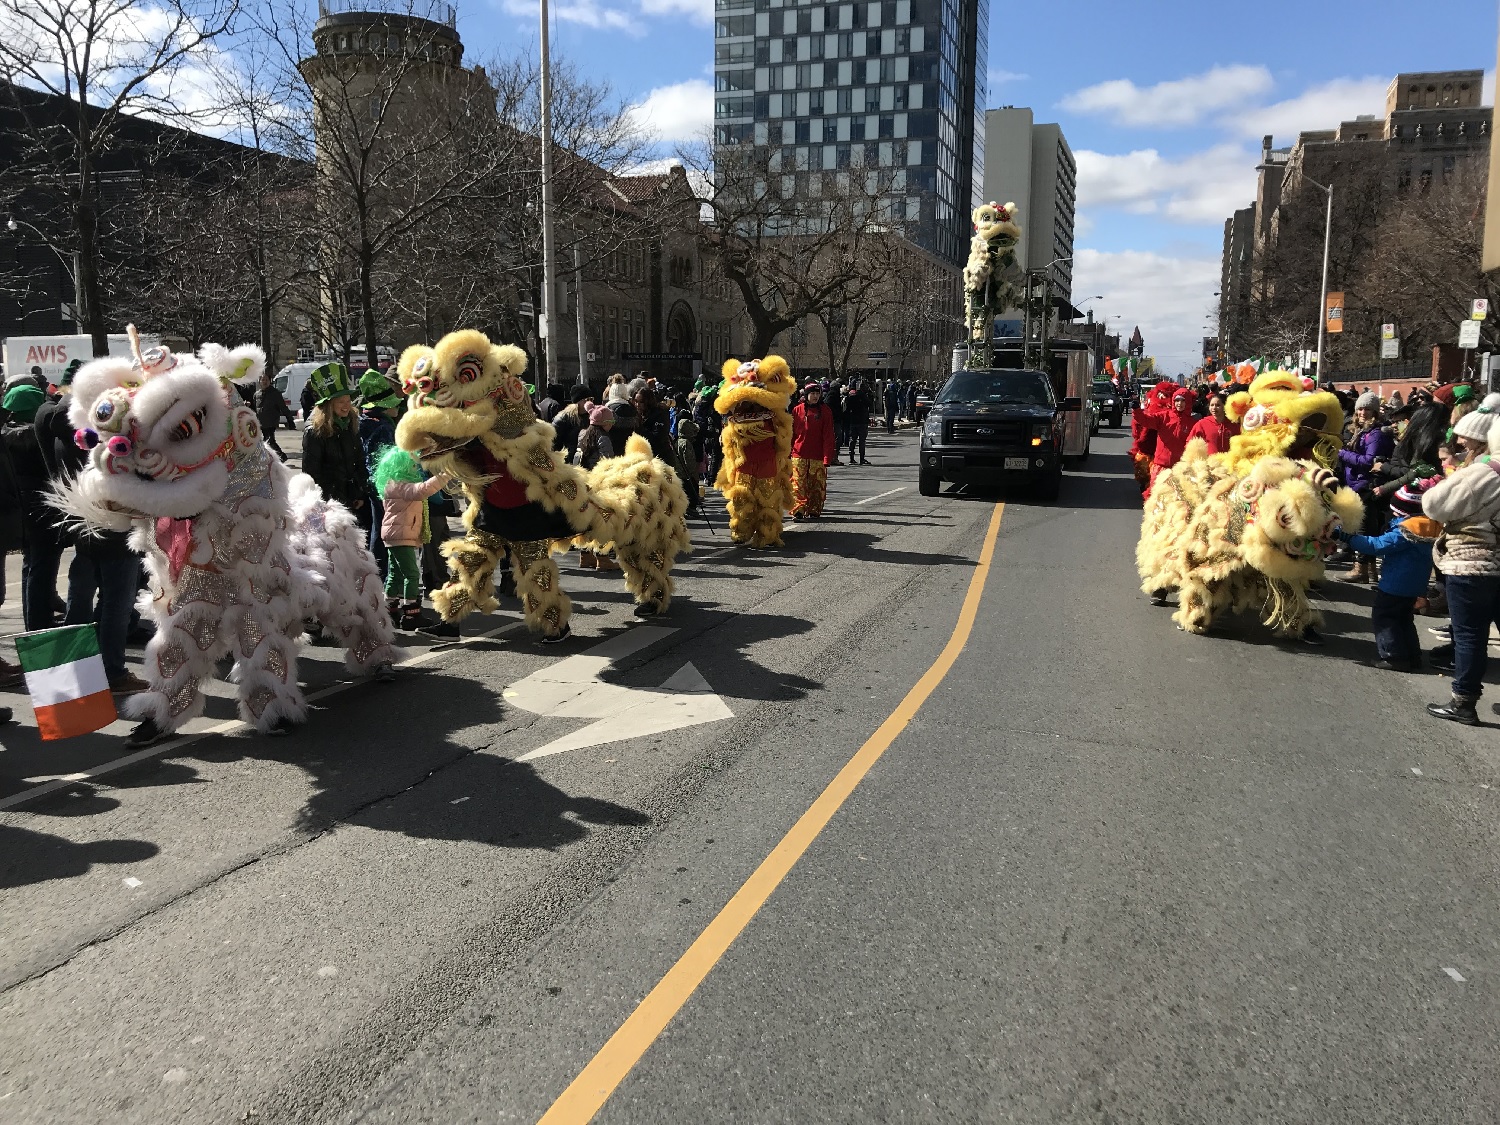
587, 1093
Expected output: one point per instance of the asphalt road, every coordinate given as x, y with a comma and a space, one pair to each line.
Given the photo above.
1108, 872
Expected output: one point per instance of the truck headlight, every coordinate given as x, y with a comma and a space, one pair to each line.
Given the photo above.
932, 428
1041, 430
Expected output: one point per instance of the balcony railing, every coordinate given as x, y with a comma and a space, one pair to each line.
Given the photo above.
446, 14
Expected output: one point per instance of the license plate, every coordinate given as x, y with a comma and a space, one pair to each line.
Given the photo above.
1017, 463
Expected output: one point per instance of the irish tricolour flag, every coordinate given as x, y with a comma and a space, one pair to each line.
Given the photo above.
65, 676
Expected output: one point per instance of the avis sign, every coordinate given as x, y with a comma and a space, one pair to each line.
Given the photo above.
52, 354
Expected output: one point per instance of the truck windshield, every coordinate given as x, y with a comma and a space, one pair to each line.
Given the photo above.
1028, 387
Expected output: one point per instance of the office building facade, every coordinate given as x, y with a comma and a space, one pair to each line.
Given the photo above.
893, 85
1033, 167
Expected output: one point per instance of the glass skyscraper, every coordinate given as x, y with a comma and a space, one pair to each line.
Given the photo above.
888, 84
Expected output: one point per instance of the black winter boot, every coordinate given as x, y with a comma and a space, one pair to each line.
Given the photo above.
1456, 710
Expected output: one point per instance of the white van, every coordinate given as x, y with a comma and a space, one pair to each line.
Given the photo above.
291, 379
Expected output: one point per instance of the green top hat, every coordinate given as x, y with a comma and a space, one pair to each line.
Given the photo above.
329, 382
376, 392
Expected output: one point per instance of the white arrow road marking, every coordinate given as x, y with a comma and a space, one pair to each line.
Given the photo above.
572, 689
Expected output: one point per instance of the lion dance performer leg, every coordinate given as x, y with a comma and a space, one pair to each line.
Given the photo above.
756, 475
472, 417
240, 550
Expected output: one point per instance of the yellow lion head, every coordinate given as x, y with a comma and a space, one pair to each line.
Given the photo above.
1290, 511
460, 388
755, 391
1278, 418
996, 224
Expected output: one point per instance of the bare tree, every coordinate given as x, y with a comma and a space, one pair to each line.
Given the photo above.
110, 60
794, 243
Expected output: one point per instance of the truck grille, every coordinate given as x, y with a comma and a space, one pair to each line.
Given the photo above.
987, 433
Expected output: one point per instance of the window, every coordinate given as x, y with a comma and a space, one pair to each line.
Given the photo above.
725, 26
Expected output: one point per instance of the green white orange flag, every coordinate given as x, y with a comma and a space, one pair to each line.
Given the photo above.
65, 676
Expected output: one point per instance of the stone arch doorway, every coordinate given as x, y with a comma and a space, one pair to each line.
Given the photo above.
682, 329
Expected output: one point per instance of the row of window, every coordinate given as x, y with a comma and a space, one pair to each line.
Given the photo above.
385, 43
844, 17
618, 330
831, 130
817, 103
871, 154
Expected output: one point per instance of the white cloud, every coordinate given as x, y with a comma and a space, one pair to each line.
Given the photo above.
584, 13
682, 112
1166, 296
698, 11
1318, 107
1204, 187
1174, 104
997, 77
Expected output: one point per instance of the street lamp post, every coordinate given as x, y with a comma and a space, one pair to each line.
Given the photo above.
13, 224
1323, 299
549, 266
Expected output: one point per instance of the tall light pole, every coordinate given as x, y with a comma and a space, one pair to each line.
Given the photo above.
1323, 300
549, 269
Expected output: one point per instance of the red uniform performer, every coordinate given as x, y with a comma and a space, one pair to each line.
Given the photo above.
813, 449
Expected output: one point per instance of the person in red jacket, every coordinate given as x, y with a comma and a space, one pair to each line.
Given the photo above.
813, 448
1216, 429
1172, 427
1143, 433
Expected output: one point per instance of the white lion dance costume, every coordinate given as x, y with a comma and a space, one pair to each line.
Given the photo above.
240, 550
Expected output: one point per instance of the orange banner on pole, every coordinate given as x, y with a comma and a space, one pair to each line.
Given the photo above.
1333, 313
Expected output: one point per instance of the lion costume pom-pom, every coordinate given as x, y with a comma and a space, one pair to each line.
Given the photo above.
756, 474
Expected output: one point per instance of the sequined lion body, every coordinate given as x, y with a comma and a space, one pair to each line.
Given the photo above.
755, 475
239, 549
470, 416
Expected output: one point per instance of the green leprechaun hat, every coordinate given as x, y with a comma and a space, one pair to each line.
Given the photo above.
329, 381
376, 392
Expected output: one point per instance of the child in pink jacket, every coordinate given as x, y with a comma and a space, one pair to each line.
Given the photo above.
405, 528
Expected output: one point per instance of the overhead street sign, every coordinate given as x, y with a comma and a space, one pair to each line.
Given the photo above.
1468, 334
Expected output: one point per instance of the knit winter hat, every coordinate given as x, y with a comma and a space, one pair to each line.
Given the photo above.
1475, 425
617, 393
1463, 392
1406, 502
23, 401
580, 392
600, 415
1368, 401
1491, 403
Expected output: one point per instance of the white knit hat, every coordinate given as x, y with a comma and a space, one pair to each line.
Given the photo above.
1475, 425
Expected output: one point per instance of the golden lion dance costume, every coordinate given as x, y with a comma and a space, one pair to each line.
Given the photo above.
756, 474
240, 549
471, 416
1255, 524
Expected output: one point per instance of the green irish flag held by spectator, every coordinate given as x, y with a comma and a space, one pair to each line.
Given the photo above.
65, 676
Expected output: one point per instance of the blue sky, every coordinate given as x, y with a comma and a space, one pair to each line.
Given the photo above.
1163, 103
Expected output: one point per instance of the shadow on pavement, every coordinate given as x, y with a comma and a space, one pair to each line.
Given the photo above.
28, 857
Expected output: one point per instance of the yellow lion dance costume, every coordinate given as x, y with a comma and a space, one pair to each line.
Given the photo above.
470, 416
1198, 538
756, 474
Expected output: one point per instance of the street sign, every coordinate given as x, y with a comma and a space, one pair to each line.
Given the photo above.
1334, 312
659, 356
1390, 349
1480, 309
591, 357
1387, 331
878, 355
526, 309
1468, 334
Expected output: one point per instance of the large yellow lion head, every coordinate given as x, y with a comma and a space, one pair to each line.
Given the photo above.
755, 391
1289, 511
996, 224
458, 389
1278, 418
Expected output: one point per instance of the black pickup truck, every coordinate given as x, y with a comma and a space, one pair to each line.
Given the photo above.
995, 426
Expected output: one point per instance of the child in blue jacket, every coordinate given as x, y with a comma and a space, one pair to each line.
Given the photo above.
1405, 553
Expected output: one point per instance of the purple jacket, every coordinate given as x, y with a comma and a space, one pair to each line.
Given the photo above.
1365, 448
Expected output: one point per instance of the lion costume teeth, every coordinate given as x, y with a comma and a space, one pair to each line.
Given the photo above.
756, 474
470, 415
240, 550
